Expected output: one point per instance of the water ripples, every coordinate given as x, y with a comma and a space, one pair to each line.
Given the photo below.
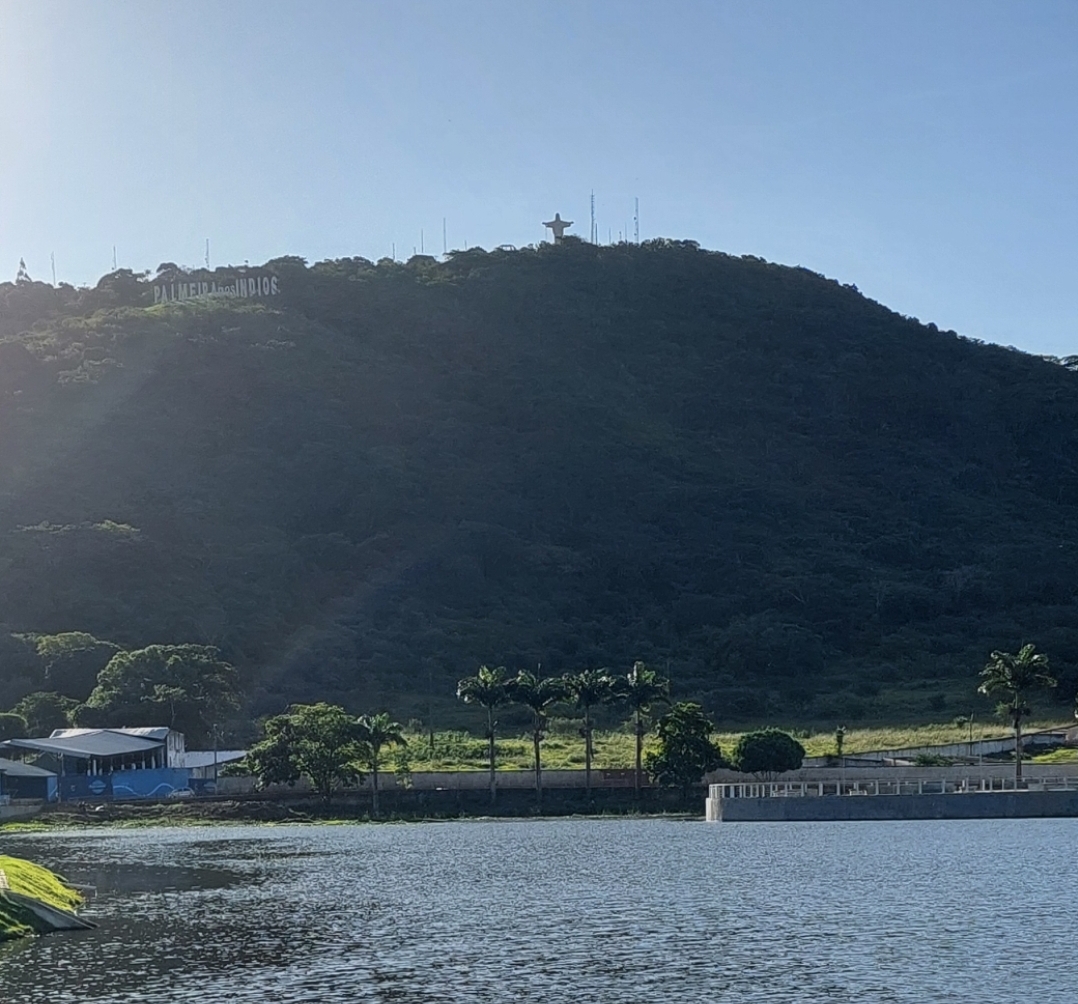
563, 911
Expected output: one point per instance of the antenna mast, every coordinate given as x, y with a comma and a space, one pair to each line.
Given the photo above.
113, 257
445, 243
207, 253
594, 231
52, 258
636, 220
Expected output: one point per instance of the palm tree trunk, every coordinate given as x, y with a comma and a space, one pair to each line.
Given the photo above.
587, 751
374, 776
1017, 751
490, 754
538, 770
639, 755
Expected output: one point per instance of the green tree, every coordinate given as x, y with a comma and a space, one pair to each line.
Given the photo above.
686, 751
1014, 677
12, 726
73, 661
538, 695
589, 689
487, 689
187, 687
45, 712
376, 732
840, 740
640, 689
767, 752
321, 742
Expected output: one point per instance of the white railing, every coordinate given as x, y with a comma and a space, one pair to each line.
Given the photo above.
945, 786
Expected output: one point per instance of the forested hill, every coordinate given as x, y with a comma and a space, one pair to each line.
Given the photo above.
797, 502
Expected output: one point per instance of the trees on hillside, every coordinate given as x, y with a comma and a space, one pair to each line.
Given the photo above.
187, 687
641, 688
589, 689
1014, 677
538, 695
767, 752
686, 751
12, 726
486, 689
45, 711
376, 732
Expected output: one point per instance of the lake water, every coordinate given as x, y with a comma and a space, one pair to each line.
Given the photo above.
574, 911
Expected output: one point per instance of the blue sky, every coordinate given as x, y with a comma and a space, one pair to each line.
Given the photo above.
926, 152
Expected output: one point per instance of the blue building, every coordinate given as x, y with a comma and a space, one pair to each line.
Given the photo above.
109, 764
22, 780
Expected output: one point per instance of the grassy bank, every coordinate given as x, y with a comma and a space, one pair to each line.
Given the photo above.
28, 879
563, 749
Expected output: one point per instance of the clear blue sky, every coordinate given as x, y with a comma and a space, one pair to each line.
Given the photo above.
925, 151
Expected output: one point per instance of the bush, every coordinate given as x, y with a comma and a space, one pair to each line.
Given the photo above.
767, 752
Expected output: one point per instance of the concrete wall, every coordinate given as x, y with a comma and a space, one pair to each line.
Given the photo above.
977, 805
20, 810
975, 772
458, 780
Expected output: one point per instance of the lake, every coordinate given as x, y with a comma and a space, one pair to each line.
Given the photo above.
564, 910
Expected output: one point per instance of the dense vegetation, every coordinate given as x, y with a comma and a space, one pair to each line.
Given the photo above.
798, 504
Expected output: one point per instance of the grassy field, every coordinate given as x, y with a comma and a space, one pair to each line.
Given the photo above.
564, 749
39, 883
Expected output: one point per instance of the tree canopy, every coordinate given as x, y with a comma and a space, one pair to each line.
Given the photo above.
686, 751
767, 752
187, 687
321, 742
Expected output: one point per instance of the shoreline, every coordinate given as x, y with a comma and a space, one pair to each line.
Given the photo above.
131, 815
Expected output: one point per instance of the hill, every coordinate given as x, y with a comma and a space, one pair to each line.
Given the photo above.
364, 479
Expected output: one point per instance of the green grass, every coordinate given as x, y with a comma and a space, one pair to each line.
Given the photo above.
39, 883
1056, 756
563, 749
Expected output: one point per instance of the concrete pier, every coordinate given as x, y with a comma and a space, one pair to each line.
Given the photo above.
893, 794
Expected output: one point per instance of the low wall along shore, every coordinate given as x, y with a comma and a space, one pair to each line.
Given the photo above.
895, 793
833, 808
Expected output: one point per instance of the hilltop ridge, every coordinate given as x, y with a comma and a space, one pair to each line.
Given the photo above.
800, 503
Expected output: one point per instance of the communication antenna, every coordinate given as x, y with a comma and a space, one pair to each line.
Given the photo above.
52, 258
594, 231
421, 248
207, 253
445, 243
394, 251
636, 221
113, 257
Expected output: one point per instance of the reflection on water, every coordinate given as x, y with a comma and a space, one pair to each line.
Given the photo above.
575, 911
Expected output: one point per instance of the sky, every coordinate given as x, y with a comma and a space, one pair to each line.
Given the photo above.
926, 152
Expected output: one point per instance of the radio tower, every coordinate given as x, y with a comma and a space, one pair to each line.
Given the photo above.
594, 232
636, 221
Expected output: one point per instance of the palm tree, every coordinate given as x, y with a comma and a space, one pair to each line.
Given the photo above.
538, 695
1013, 677
589, 688
640, 688
487, 689
377, 732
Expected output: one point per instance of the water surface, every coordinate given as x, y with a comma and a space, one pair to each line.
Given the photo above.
561, 911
